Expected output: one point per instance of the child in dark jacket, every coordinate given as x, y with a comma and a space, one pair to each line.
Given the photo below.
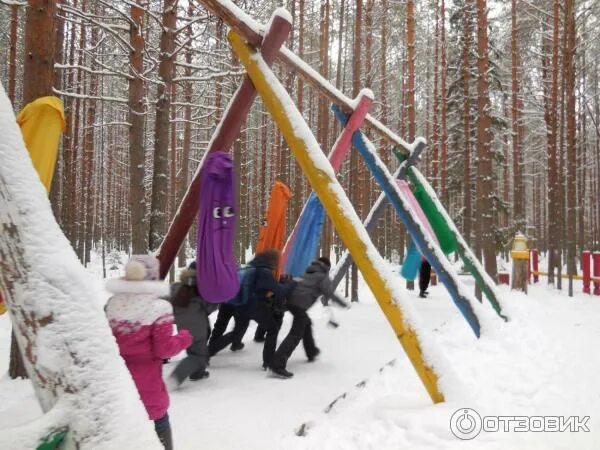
191, 313
266, 293
312, 285
142, 323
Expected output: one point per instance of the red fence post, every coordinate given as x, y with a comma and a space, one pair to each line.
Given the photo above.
597, 273
585, 268
535, 262
503, 278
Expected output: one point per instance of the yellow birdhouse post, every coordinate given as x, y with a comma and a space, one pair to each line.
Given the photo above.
520, 257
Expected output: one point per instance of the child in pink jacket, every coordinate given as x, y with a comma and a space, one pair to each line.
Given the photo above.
142, 324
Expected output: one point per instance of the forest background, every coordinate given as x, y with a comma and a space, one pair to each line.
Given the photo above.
505, 92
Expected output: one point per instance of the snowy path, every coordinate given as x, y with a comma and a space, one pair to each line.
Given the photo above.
544, 362
241, 406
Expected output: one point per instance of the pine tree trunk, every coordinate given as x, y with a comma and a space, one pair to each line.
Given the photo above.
324, 110
435, 138
298, 175
384, 235
341, 29
137, 114
504, 219
582, 167
466, 74
411, 55
410, 90
56, 189
173, 160
187, 134
444, 112
561, 157
39, 48
77, 174
355, 194
596, 174
517, 128
569, 74
88, 169
365, 179
69, 145
484, 142
166, 68
553, 190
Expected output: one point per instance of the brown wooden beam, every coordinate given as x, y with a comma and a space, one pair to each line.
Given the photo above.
249, 29
226, 133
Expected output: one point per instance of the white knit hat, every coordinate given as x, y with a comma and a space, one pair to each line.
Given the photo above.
142, 267
135, 271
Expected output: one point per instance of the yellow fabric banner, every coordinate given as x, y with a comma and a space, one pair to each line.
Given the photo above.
42, 122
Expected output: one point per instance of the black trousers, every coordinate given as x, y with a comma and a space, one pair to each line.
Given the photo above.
259, 334
301, 330
226, 312
424, 275
265, 316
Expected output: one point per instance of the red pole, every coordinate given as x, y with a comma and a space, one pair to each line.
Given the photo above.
585, 268
226, 133
596, 273
535, 265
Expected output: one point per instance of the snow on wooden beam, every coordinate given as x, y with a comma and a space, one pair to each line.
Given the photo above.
252, 32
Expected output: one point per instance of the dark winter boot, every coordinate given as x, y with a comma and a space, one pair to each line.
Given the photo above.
281, 372
237, 346
166, 438
259, 334
313, 356
423, 294
199, 375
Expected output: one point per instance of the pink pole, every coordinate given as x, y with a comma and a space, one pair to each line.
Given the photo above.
535, 265
586, 269
342, 146
596, 273
338, 153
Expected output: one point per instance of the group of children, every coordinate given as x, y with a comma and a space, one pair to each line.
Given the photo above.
142, 311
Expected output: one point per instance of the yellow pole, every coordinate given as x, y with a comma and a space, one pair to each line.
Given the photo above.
337, 205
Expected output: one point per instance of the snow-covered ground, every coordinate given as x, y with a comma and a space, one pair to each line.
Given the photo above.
544, 362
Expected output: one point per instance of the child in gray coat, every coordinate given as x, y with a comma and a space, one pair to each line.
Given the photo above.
313, 284
191, 313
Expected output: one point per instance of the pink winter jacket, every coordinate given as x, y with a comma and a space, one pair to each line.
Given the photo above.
142, 324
